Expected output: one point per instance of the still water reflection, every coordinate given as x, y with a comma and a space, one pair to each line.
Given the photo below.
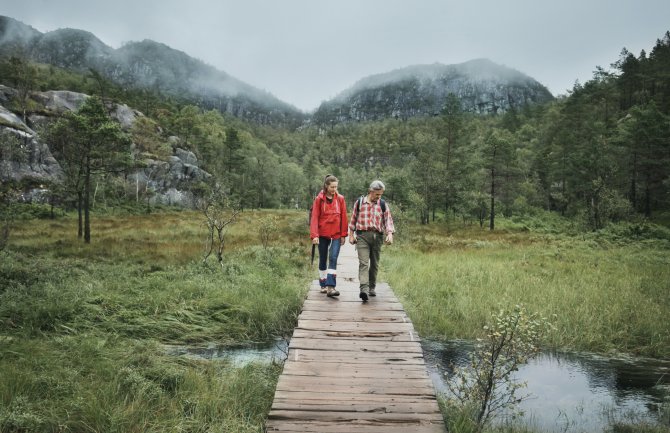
237, 356
572, 392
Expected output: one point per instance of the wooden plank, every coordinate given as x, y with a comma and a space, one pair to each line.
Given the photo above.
379, 316
314, 396
350, 406
331, 385
379, 415
388, 336
351, 345
375, 358
412, 385
354, 426
323, 325
340, 303
335, 369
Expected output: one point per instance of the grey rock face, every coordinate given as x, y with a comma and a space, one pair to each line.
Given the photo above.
13, 121
36, 161
125, 116
168, 181
60, 101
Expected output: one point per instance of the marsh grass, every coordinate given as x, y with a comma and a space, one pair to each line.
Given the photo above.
603, 294
83, 327
117, 385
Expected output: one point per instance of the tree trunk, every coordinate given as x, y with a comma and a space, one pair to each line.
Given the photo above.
87, 204
647, 198
80, 204
493, 200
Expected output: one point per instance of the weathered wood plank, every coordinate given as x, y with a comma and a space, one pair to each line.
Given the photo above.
368, 336
351, 345
324, 325
314, 396
401, 386
382, 359
349, 406
358, 316
377, 416
340, 303
354, 426
335, 369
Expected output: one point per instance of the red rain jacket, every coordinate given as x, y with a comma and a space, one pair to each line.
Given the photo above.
329, 220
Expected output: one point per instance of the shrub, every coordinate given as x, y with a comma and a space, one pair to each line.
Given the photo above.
485, 387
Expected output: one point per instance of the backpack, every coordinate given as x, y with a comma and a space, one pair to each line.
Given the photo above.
382, 203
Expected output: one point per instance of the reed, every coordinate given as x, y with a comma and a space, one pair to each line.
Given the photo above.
84, 328
601, 296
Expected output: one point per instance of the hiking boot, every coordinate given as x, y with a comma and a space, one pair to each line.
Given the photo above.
372, 292
324, 289
363, 296
332, 292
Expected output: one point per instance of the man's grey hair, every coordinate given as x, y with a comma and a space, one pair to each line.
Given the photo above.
377, 185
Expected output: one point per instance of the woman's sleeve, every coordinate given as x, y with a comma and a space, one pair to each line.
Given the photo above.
314, 220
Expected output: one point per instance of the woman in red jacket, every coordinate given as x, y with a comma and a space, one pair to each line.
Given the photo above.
328, 229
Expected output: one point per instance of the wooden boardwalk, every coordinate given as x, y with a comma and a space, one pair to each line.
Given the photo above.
354, 366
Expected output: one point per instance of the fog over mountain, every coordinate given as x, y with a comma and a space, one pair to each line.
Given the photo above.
419, 90
151, 65
481, 86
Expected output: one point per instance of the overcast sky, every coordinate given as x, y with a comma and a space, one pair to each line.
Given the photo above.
307, 51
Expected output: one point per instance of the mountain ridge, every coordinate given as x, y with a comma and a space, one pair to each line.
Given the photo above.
170, 71
416, 90
481, 85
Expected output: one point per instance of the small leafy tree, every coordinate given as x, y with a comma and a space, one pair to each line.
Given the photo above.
485, 386
220, 212
268, 230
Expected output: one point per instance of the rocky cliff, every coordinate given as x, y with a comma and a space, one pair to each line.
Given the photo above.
26, 156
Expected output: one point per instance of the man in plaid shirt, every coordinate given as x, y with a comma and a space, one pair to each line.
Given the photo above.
370, 225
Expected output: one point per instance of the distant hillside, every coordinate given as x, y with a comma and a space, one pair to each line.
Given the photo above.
148, 64
481, 85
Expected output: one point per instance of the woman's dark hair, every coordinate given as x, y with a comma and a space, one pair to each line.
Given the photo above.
328, 180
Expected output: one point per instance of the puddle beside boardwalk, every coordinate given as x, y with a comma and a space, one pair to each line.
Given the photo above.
568, 392
237, 356
572, 392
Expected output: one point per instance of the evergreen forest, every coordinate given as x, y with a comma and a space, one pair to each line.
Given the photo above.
597, 155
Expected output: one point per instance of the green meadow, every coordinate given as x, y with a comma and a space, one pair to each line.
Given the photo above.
85, 329
604, 292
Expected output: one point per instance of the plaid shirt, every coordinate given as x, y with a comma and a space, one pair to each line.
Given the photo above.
370, 217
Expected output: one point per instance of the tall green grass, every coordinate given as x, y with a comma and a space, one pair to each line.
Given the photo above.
603, 294
106, 384
84, 328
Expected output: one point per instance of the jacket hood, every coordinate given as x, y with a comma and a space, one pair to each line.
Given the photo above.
322, 195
